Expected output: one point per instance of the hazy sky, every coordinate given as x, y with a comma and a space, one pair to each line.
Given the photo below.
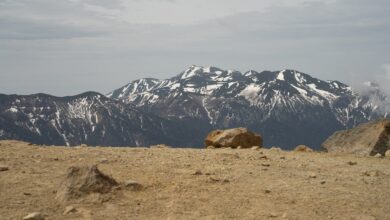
69, 46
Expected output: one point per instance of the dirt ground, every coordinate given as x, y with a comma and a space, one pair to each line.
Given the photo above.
197, 184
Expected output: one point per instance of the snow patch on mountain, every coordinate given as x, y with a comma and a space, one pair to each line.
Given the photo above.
251, 93
281, 75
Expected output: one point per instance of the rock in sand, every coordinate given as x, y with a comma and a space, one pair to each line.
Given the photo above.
233, 138
81, 181
34, 216
303, 148
3, 168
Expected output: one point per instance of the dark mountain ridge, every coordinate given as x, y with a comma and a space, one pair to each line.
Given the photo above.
287, 107
89, 118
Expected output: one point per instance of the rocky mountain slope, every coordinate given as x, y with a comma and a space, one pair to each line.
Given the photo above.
89, 118
287, 107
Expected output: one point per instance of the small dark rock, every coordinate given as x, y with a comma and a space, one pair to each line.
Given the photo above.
133, 185
3, 168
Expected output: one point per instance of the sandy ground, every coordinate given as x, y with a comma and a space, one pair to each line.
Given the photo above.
230, 184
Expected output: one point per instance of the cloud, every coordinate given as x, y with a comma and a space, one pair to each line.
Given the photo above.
386, 67
117, 41
46, 19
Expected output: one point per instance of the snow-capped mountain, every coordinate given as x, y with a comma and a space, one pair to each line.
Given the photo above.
288, 107
89, 118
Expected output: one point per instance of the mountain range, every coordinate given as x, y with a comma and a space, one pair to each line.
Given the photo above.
287, 107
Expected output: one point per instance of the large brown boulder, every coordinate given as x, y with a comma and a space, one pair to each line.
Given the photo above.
233, 138
366, 139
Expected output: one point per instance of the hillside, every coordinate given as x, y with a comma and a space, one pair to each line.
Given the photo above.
88, 118
197, 184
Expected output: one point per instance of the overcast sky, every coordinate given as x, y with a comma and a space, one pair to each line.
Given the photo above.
70, 46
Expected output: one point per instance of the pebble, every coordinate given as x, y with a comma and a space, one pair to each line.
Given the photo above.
3, 168
69, 209
273, 215
267, 191
373, 173
265, 164
378, 155
212, 179
264, 157
352, 163
34, 216
104, 161
133, 185
387, 154
255, 148
275, 149
313, 175
198, 172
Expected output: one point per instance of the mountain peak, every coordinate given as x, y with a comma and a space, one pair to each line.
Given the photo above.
195, 70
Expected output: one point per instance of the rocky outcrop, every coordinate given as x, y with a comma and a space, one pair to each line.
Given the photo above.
367, 139
81, 181
234, 138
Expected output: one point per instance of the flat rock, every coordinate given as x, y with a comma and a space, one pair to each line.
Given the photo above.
256, 148
133, 185
69, 209
104, 160
366, 139
303, 148
159, 146
34, 216
234, 138
275, 149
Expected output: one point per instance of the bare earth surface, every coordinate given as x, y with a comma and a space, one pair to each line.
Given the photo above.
197, 184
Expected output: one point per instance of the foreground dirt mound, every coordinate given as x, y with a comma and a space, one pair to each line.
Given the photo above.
366, 139
81, 181
236, 137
